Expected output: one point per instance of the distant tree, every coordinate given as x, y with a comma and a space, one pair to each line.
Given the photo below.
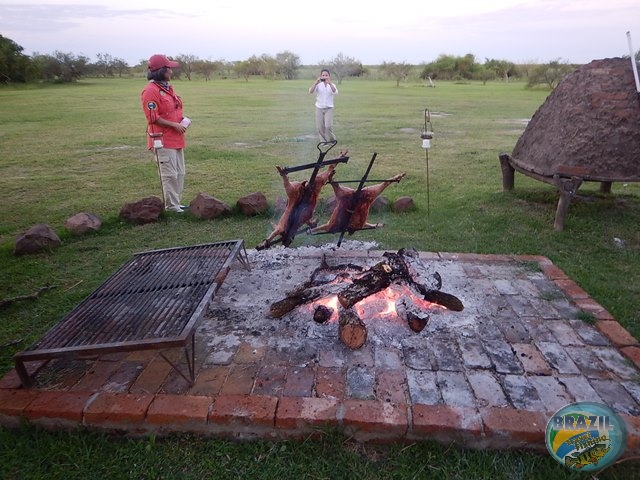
207, 68
397, 71
120, 66
502, 68
342, 66
61, 67
249, 67
104, 65
186, 64
287, 65
268, 66
549, 74
14, 65
484, 74
450, 67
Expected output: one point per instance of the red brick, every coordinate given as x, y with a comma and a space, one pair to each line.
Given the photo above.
118, 408
330, 382
374, 419
531, 359
615, 333
176, 383
270, 380
632, 353
244, 410
13, 402
510, 428
443, 421
390, 386
95, 377
571, 289
300, 412
123, 377
552, 272
240, 380
539, 259
589, 305
152, 377
63, 405
209, 381
299, 382
633, 441
179, 410
247, 353
10, 380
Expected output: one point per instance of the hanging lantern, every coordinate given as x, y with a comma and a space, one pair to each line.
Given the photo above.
427, 130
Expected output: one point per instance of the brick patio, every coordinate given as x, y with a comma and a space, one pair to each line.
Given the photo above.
490, 376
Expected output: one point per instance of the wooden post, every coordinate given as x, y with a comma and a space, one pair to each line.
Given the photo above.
605, 187
508, 172
567, 187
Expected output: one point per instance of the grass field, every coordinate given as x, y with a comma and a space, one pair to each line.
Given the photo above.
66, 149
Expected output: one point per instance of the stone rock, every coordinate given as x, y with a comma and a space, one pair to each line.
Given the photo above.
147, 210
82, 223
208, 207
404, 204
280, 205
253, 204
380, 204
37, 239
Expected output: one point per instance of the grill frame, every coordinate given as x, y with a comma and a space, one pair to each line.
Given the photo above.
152, 302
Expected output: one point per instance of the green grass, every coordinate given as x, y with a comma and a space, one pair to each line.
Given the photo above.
71, 148
37, 454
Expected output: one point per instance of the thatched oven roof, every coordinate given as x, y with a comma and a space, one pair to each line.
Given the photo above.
589, 126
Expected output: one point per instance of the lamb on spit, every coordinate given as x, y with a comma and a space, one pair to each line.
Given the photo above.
302, 197
352, 207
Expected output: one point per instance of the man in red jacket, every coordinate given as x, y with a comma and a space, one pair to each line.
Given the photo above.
166, 127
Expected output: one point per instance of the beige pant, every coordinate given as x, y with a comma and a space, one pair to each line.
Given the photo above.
172, 171
324, 124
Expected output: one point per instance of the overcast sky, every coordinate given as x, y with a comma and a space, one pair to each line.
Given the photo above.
412, 31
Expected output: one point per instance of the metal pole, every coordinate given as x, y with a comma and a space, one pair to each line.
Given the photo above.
155, 151
426, 156
634, 66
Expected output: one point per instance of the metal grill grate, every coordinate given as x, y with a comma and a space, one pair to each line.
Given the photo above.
153, 301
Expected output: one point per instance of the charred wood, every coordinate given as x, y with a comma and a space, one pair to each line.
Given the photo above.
351, 330
322, 314
372, 281
416, 318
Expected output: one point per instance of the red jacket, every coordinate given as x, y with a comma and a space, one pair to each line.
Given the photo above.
159, 101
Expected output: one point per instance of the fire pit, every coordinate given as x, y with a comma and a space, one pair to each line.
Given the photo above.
400, 284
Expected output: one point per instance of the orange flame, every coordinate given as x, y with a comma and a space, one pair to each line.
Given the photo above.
381, 304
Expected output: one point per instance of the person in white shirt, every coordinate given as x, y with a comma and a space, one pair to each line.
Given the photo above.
325, 91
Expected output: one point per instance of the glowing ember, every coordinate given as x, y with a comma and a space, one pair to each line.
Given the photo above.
381, 304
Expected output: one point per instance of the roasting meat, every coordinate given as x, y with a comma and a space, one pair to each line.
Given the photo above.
352, 207
302, 197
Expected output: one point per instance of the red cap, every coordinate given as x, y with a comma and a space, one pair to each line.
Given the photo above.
157, 61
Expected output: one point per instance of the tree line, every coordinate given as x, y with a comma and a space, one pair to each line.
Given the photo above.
62, 67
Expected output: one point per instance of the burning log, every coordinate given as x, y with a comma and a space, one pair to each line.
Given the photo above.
376, 279
415, 318
301, 295
351, 284
322, 314
351, 330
